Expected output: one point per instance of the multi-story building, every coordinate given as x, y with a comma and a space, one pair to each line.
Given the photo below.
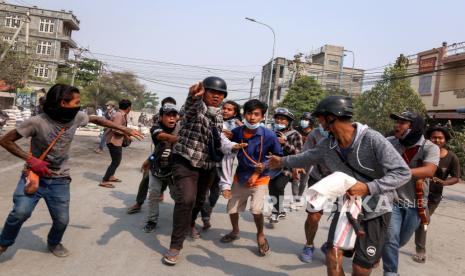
326, 65
439, 79
45, 34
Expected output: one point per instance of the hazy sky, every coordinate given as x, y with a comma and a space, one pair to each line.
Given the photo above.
214, 33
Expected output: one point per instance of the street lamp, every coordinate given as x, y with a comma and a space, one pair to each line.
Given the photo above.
351, 72
272, 60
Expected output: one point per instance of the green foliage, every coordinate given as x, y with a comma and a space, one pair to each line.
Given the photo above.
303, 96
15, 67
392, 94
456, 145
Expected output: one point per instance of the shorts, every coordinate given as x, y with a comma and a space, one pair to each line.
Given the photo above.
240, 196
368, 249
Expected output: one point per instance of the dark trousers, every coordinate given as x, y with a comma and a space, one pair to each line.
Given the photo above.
277, 186
190, 186
116, 153
211, 198
420, 233
144, 188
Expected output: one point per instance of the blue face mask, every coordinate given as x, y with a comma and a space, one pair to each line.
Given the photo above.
304, 123
251, 126
279, 127
323, 132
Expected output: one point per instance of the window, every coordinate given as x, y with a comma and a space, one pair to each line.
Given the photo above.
41, 71
333, 62
44, 48
12, 21
8, 38
46, 25
280, 90
425, 85
332, 76
281, 71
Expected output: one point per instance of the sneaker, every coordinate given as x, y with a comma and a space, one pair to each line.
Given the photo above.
134, 209
195, 233
58, 250
282, 215
307, 254
149, 227
274, 218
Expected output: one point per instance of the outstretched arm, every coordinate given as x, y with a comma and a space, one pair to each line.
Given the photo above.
109, 124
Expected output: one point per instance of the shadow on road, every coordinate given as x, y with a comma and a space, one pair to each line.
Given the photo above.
29, 241
217, 261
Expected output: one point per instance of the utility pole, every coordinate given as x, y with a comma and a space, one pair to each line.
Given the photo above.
251, 87
10, 43
27, 32
77, 56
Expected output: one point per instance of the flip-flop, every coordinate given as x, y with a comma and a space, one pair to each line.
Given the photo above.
229, 238
115, 180
264, 248
170, 258
106, 185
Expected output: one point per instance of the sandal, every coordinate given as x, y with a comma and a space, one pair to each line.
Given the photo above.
114, 180
228, 238
170, 258
264, 248
106, 185
419, 258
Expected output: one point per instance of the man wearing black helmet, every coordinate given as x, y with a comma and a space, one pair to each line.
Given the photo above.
422, 156
195, 158
365, 154
305, 125
291, 143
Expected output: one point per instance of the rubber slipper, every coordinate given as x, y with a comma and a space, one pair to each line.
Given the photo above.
170, 258
419, 258
106, 185
264, 248
115, 180
229, 238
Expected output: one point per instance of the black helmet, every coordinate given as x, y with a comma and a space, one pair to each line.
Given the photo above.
217, 84
284, 112
307, 116
339, 106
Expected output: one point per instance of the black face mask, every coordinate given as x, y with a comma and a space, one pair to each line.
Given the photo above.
416, 131
61, 114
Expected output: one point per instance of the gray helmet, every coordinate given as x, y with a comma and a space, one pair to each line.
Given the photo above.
338, 106
284, 112
217, 84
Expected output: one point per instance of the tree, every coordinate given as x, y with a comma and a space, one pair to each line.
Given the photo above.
392, 94
304, 94
15, 68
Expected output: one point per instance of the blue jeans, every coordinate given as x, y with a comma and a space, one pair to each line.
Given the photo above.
55, 192
404, 222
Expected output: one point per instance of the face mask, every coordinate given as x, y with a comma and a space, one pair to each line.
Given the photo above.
251, 126
213, 110
62, 114
304, 123
278, 127
323, 132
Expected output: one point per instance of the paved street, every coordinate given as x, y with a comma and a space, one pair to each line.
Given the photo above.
104, 240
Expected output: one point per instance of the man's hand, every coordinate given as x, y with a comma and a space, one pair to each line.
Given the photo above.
227, 194
197, 90
282, 140
145, 166
359, 189
133, 133
259, 168
228, 133
275, 162
438, 181
38, 166
239, 123
240, 146
296, 173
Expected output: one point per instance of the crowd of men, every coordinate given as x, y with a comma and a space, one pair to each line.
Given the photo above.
210, 148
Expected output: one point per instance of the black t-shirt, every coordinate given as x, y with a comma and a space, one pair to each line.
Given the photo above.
449, 166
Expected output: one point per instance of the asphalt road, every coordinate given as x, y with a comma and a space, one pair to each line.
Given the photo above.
104, 240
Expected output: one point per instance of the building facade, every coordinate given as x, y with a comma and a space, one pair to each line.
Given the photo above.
439, 79
45, 34
327, 65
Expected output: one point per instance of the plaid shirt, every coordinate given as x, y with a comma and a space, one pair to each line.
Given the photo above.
292, 146
195, 132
